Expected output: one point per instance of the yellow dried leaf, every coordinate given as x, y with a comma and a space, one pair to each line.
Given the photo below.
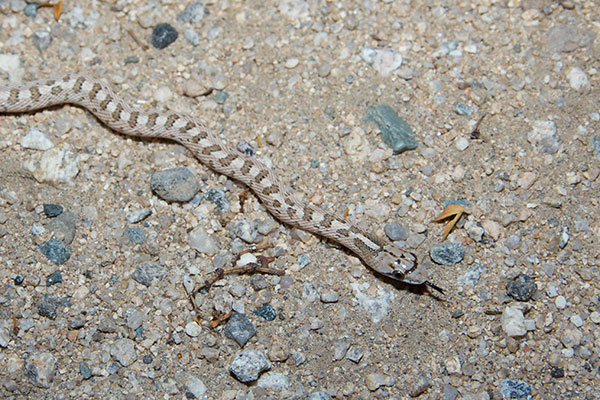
454, 211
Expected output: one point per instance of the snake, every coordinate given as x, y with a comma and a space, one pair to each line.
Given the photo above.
95, 95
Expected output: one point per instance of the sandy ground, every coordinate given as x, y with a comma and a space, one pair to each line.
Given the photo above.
298, 85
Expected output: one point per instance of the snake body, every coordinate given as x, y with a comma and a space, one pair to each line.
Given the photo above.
96, 96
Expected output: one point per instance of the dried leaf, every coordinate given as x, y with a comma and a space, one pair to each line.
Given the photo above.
454, 211
56, 8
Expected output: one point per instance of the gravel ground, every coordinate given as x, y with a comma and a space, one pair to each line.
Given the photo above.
104, 238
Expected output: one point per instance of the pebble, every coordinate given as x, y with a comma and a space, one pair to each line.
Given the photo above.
240, 329
447, 253
522, 288
135, 216
84, 370
246, 231
463, 109
291, 63
194, 387
319, 396
376, 307
330, 296
395, 132
37, 140
148, 272
52, 210
191, 36
449, 392
383, 60
199, 240
53, 278
543, 136
577, 78
245, 259
513, 321
595, 317
64, 226
340, 347
568, 38
395, 231
40, 368
576, 320
375, 381
513, 389
221, 97
163, 94
56, 251
193, 13
135, 235
192, 329
123, 351
354, 354
42, 40
461, 143
248, 365
57, 166
267, 312
274, 380
419, 386
560, 302
175, 184
163, 35
48, 306
30, 10
134, 318
217, 197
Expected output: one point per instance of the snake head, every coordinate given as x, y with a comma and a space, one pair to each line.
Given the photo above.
401, 265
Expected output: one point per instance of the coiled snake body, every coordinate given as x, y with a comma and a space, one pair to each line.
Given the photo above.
97, 97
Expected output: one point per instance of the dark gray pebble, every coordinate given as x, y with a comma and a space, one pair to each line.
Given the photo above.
77, 323
48, 306
395, 132
147, 359
239, 328
56, 251
148, 272
513, 389
175, 184
135, 235
522, 288
19, 279
52, 210
163, 35
557, 372
267, 312
84, 370
447, 253
55, 277
217, 197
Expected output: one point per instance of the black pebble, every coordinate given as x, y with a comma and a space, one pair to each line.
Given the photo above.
52, 210
163, 35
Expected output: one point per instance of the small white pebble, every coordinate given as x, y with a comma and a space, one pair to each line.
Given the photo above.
461, 143
576, 320
245, 259
291, 63
595, 317
163, 94
560, 302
